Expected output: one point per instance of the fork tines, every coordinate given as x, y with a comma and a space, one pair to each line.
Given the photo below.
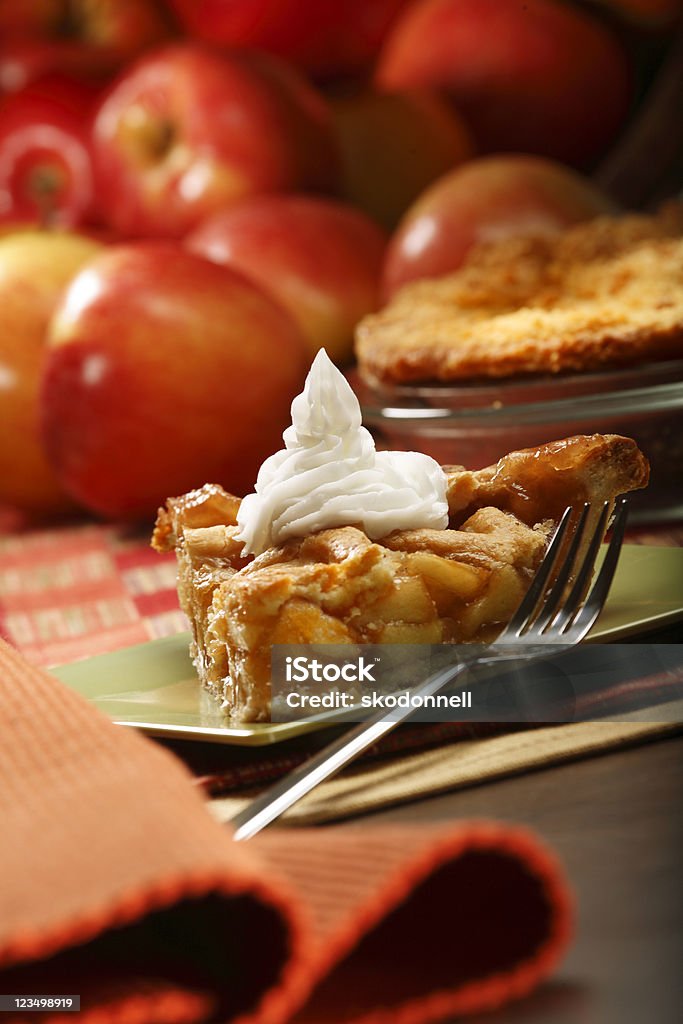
553, 615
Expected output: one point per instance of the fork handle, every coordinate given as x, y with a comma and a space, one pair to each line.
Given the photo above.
278, 798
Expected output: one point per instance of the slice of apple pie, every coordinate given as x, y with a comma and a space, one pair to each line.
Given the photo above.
458, 580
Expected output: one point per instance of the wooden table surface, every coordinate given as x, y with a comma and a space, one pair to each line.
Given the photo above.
617, 823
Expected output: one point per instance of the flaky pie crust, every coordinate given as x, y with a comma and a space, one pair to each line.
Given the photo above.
413, 586
605, 293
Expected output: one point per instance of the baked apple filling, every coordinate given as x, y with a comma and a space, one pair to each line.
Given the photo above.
458, 584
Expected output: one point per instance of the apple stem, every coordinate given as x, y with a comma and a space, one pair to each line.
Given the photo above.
159, 138
44, 185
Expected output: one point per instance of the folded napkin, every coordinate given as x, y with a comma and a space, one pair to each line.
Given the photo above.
118, 886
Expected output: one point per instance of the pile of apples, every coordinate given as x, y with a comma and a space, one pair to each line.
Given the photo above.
195, 195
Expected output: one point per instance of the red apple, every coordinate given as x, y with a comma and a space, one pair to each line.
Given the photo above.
392, 145
306, 119
164, 371
538, 77
23, 61
360, 28
324, 38
35, 268
483, 201
45, 166
92, 38
295, 29
319, 259
185, 132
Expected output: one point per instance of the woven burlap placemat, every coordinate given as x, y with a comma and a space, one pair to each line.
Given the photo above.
366, 788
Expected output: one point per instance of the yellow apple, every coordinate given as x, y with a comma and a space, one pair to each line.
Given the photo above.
35, 267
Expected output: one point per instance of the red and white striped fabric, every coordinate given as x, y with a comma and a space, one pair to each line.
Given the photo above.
70, 593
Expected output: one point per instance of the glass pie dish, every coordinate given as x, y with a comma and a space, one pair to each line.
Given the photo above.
475, 423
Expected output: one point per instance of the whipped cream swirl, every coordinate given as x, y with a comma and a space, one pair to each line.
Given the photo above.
329, 474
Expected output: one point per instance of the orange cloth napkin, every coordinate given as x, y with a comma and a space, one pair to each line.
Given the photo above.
116, 885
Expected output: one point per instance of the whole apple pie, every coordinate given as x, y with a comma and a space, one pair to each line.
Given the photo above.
458, 578
608, 292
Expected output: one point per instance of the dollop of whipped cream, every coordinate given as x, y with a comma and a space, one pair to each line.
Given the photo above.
330, 474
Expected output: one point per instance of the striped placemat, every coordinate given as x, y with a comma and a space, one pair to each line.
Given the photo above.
73, 592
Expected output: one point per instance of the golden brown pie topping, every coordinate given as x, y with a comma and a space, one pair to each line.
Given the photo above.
605, 293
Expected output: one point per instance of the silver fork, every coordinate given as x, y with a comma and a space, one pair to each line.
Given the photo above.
546, 616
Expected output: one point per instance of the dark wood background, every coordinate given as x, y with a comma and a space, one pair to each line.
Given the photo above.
616, 821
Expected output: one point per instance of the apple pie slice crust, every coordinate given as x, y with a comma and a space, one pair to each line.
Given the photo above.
414, 586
